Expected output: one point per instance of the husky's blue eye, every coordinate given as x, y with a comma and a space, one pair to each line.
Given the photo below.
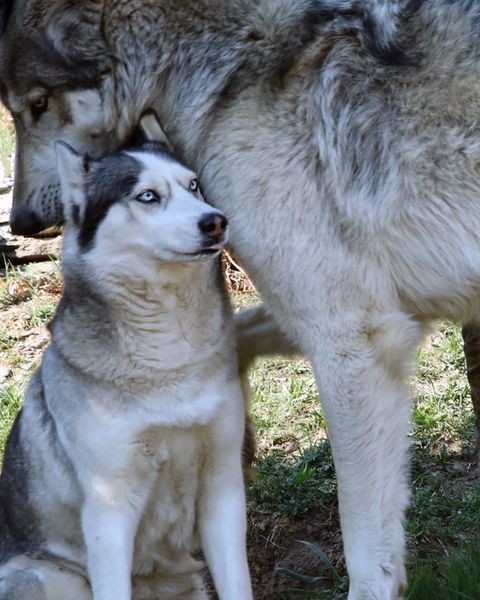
193, 185
147, 196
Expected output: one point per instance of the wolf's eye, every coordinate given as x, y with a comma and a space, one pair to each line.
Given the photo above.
147, 196
39, 106
193, 185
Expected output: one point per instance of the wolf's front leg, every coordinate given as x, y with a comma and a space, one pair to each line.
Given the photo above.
109, 528
360, 367
222, 510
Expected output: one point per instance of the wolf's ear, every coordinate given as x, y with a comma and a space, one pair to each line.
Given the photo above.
72, 169
75, 29
5, 10
150, 127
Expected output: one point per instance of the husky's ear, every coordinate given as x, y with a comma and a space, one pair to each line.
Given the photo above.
72, 169
150, 127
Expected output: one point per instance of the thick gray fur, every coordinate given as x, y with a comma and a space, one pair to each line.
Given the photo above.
341, 139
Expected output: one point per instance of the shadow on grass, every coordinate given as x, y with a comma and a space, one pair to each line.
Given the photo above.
293, 483
457, 578
443, 525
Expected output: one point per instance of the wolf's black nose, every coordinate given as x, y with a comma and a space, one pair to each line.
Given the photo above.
213, 225
24, 222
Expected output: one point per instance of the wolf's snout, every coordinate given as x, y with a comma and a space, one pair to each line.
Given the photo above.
213, 225
24, 222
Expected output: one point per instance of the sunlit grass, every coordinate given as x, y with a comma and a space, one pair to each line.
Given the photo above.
7, 142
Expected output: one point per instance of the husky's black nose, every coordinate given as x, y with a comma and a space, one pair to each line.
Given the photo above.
213, 225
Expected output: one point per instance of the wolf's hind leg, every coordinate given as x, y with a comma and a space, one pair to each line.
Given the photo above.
24, 578
259, 335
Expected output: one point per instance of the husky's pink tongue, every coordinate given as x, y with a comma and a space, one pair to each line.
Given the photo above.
217, 246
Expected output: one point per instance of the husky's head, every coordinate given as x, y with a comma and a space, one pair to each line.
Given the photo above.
52, 62
136, 207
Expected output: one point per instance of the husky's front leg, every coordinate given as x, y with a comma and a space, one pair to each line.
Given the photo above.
360, 369
222, 510
109, 527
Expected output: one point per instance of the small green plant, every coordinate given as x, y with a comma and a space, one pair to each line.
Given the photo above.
7, 341
7, 142
20, 284
443, 411
285, 406
10, 399
40, 315
16, 287
331, 578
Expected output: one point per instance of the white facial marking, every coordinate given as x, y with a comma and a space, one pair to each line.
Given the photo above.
163, 229
86, 111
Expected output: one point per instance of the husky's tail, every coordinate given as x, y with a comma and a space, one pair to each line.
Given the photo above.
24, 578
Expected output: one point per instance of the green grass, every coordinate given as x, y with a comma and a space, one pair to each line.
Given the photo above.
7, 141
330, 577
10, 400
293, 484
41, 314
285, 393
7, 341
295, 471
458, 578
16, 288
443, 526
20, 284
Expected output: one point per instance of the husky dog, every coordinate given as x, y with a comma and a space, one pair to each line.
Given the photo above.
342, 140
128, 446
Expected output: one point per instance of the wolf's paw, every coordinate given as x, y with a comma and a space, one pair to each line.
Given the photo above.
387, 585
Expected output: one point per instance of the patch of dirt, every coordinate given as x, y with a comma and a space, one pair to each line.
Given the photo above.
273, 543
23, 338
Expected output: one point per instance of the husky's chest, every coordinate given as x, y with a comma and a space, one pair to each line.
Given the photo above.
171, 460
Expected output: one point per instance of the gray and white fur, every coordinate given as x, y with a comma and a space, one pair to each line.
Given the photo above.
126, 455
341, 139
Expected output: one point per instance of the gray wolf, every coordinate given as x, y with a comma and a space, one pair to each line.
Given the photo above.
340, 138
126, 454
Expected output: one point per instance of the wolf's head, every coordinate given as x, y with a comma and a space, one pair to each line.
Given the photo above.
52, 61
84, 71
55, 69
130, 211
